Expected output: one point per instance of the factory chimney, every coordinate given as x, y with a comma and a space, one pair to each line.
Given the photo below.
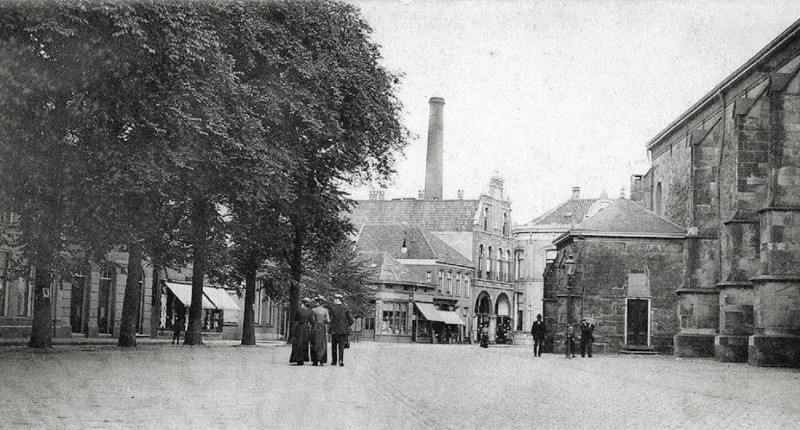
433, 168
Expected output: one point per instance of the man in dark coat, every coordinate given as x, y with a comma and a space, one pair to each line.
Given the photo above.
538, 332
587, 337
341, 320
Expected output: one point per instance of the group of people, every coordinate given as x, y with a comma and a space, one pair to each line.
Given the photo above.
538, 331
314, 320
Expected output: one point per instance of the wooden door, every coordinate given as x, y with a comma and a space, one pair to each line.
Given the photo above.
638, 322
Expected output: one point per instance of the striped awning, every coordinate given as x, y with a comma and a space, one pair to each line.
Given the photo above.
183, 292
451, 317
221, 299
429, 311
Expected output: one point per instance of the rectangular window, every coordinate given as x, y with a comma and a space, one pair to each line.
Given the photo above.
4, 261
458, 283
258, 306
105, 316
518, 267
466, 286
450, 282
441, 282
428, 277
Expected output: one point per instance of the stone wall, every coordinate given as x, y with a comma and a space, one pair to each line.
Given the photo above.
600, 287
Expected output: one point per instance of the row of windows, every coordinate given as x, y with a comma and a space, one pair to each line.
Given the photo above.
394, 317
506, 222
452, 283
495, 265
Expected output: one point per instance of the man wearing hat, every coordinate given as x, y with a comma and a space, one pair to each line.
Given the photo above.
341, 320
319, 332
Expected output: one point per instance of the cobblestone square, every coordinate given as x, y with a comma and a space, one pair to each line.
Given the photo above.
384, 386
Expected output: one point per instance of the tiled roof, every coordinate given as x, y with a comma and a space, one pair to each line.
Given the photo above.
444, 252
624, 216
571, 212
432, 215
420, 244
386, 269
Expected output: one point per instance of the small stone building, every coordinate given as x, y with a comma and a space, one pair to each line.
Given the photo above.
626, 263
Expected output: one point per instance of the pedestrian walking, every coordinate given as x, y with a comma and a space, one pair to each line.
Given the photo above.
538, 331
177, 327
341, 320
569, 341
587, 337
301, 333
484, 337
319, 333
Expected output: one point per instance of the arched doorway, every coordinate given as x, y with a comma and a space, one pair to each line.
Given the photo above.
503, 312
483, 314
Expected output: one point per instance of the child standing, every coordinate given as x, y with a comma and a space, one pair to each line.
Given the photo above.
569, 341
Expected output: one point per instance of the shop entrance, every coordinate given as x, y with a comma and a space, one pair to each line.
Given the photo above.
483, 309
503, 330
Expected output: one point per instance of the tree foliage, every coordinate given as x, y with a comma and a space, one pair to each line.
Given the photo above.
176, 130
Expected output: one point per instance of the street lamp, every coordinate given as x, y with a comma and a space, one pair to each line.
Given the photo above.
570, 263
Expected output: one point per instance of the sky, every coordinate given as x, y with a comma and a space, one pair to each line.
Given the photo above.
551, 95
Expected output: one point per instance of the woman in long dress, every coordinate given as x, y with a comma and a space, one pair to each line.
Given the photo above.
319, 333
301, 333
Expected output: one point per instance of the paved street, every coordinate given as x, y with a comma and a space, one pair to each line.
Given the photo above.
384, 386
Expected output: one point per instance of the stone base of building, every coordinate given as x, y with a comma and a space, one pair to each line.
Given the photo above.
774, 351
521, 338
693, 345
731, 349
20, 327
392, 338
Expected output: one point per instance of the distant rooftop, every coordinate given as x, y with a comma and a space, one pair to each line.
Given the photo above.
431, 215
420, 244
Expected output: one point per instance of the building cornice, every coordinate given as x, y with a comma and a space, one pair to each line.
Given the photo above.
751, 65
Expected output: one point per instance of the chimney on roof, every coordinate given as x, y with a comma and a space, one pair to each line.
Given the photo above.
421, 194
434, 166
376, 194
576, 193
461, 194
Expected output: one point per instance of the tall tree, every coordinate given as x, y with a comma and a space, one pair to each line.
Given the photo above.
44, 75
341, 122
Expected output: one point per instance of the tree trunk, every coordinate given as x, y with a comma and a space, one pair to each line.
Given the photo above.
296, 271
248, 326
130, 304
41, 332
155, 304
200, 213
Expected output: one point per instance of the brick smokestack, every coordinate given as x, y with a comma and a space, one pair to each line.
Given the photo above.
434, 166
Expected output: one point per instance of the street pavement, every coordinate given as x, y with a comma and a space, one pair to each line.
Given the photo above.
414, 386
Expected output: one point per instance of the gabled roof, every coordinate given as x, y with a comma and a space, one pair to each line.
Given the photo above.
569, 213
420, 244
386, 269
623, 218
431, 215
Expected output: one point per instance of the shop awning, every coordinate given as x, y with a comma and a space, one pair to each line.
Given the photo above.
451, 317
221, 299
184, 293
429, 311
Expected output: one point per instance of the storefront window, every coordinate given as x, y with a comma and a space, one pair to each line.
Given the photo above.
394, 318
